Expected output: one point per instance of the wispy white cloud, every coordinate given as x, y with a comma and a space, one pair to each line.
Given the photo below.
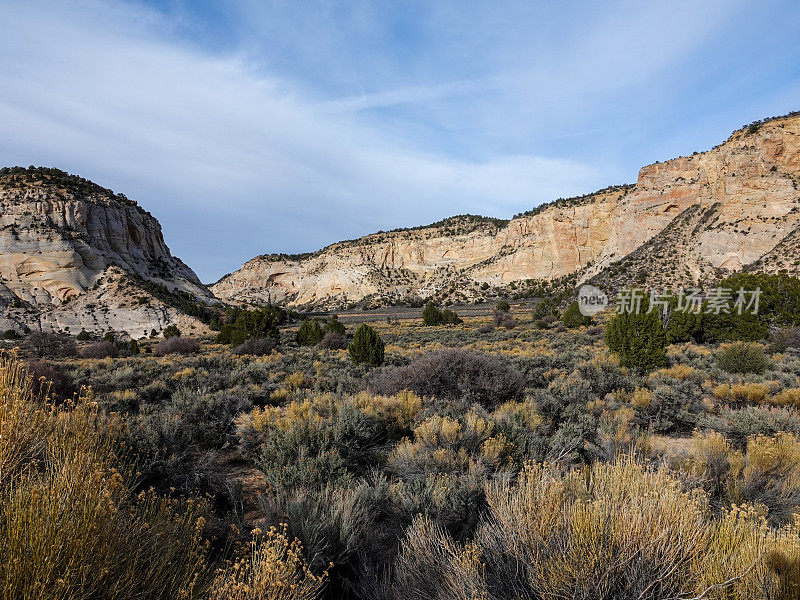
181, 130
409, 95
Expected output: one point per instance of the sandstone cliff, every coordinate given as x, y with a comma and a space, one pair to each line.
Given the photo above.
66, 245
691, 219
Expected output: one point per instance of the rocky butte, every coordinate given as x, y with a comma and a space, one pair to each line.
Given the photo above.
687, 220
74, 255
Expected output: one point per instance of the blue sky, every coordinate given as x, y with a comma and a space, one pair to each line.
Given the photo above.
251, 127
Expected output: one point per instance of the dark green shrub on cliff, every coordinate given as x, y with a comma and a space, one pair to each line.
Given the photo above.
170, 331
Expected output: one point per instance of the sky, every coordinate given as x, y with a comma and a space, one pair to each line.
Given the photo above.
282, 126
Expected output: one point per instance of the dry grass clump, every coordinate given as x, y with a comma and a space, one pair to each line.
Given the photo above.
639, 398
678, 371
610, 531
522, 413
399, 412
396, 413
273, 569
767, 472
710, 461
71, 527
790, 397
297, 381
742, 392
618, 434
441, 431
443, 444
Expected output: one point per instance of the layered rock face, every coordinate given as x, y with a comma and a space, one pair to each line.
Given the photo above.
741, 200
63, 238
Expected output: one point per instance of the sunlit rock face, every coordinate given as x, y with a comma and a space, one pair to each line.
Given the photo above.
62, 238
741, 200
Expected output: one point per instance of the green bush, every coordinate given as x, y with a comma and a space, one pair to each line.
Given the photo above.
431, 315
367, 346
638, 339
683, 326
544, 309
241, 325
742, 357
502, 305
82, 336
779, 305
729, 327
171, 331
574, 318
310, 332
332, 323
300, 457
450, 317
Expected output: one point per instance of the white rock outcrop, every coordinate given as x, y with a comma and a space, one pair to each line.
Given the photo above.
64, 240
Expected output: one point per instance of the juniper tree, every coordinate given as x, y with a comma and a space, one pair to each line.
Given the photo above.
367, 346
638, 339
